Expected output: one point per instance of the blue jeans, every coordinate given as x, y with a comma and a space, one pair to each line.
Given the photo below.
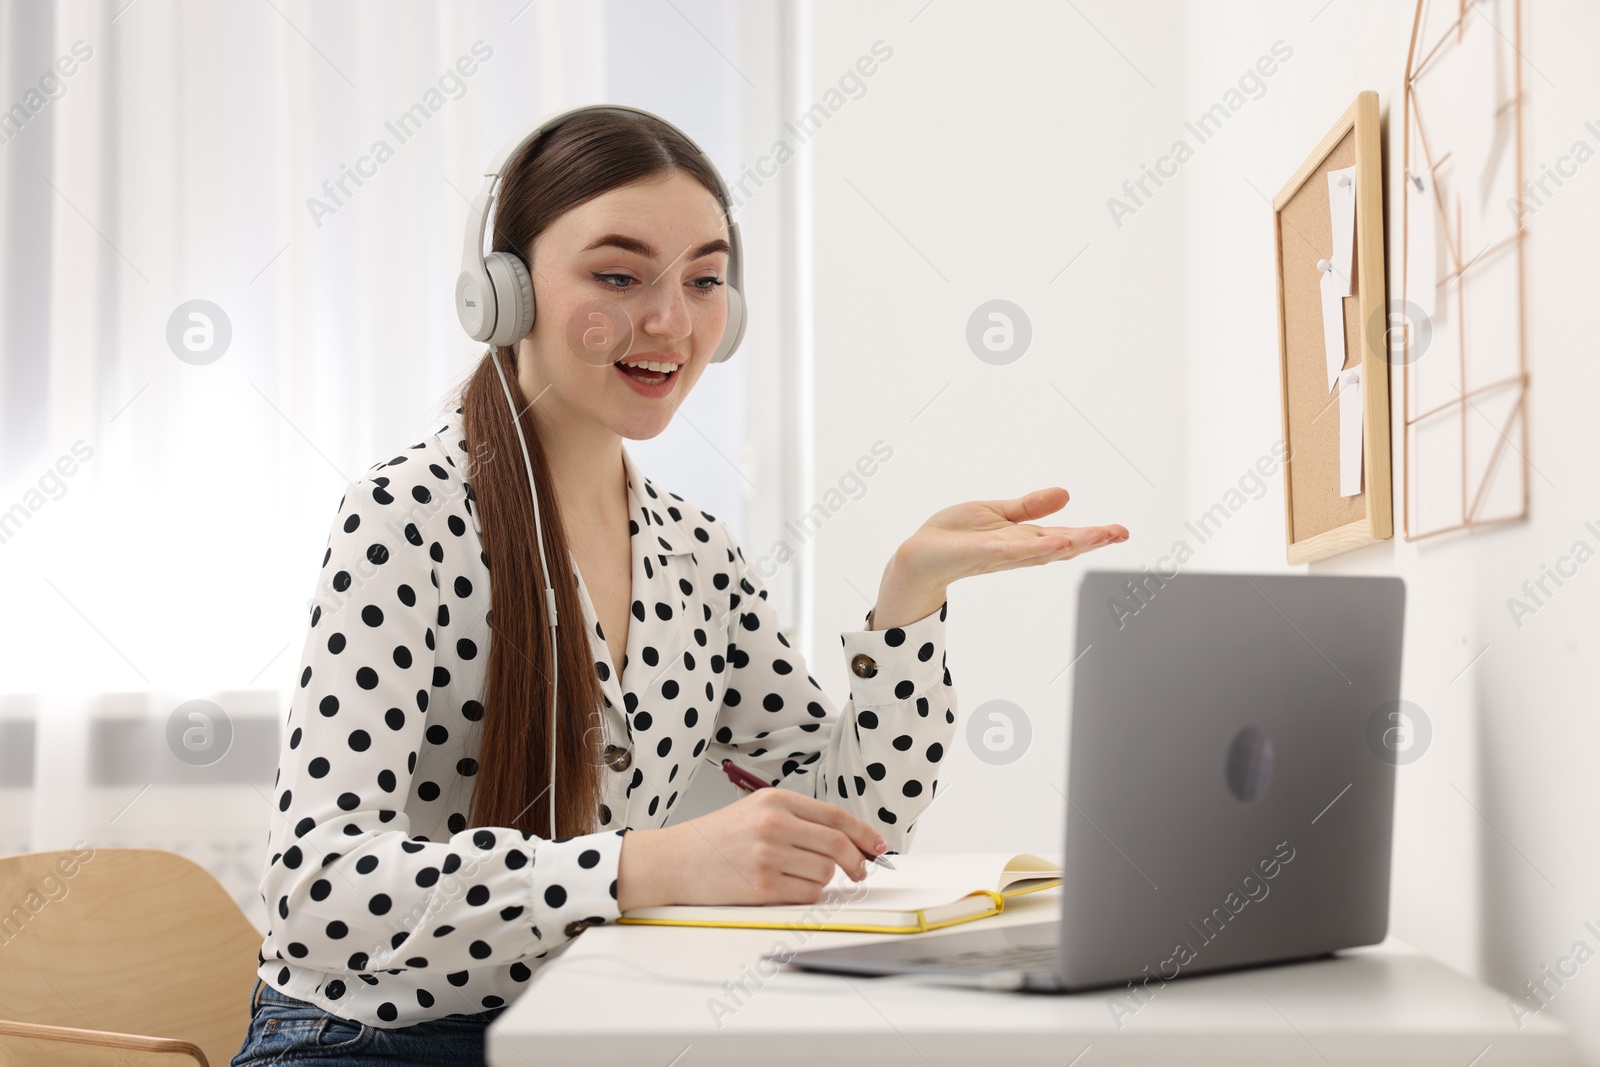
283, 1029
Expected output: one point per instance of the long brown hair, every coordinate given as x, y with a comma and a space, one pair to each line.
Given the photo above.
584, 157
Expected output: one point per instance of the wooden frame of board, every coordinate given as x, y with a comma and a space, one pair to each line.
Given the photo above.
1318, 521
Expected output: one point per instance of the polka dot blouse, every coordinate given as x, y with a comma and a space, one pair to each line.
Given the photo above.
385, 906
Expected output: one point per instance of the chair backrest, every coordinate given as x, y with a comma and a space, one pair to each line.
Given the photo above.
130, 940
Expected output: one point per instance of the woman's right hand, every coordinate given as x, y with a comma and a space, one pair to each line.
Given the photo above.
772, 846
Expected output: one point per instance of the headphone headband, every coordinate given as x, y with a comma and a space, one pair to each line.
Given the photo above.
494, 292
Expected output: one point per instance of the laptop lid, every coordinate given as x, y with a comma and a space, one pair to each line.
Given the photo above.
1227, 805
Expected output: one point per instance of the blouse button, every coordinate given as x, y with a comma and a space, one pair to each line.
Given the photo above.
864, 665
576, 927
618, 758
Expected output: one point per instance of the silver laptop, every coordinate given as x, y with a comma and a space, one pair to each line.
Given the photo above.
1230, 787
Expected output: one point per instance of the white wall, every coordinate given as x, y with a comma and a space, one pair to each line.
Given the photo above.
975, 167
1495, 861
987, 147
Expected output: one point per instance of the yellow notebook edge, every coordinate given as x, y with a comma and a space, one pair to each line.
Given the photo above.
923, 925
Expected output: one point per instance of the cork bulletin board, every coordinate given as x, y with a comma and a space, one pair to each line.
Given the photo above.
1320, 522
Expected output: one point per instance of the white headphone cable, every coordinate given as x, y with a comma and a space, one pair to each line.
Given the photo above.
544, 568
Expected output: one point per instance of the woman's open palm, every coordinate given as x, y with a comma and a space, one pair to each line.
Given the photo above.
979, 536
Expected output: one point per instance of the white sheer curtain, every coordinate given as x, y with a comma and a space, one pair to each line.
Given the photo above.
162, 520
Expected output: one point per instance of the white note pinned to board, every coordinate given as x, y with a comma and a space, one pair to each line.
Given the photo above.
1350, 432
1332, 324
1342, 213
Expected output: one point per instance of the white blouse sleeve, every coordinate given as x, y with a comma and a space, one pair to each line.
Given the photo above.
879, 757
351, 889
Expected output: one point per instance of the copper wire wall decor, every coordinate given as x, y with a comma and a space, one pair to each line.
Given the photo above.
1460, 328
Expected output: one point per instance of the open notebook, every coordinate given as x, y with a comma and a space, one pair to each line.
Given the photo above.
927, 890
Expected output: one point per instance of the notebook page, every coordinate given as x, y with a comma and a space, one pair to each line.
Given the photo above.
924, 880
1029, 867
920, 882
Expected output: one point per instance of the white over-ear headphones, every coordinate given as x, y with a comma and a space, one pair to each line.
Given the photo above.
494, 301
494, 294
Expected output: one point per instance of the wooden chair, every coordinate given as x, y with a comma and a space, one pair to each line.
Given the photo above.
128, 956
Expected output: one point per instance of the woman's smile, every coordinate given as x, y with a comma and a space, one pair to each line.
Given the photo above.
651, 374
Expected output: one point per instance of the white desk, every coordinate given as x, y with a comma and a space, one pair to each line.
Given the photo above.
1384, 1005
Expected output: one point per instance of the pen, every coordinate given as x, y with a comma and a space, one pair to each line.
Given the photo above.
750, 783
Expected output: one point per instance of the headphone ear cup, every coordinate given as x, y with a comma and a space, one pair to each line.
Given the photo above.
735, 330
513, 298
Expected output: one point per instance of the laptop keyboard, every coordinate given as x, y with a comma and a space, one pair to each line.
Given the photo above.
1014, 958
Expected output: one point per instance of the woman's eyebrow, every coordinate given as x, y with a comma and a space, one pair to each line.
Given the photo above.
647, 250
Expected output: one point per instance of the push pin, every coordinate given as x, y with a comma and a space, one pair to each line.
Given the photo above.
1324, 266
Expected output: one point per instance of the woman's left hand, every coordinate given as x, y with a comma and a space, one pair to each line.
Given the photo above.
977, 537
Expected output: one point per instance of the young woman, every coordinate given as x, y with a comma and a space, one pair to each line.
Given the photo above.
413, 883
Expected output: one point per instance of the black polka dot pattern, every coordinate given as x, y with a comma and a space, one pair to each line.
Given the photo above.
777, 721
385, 906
